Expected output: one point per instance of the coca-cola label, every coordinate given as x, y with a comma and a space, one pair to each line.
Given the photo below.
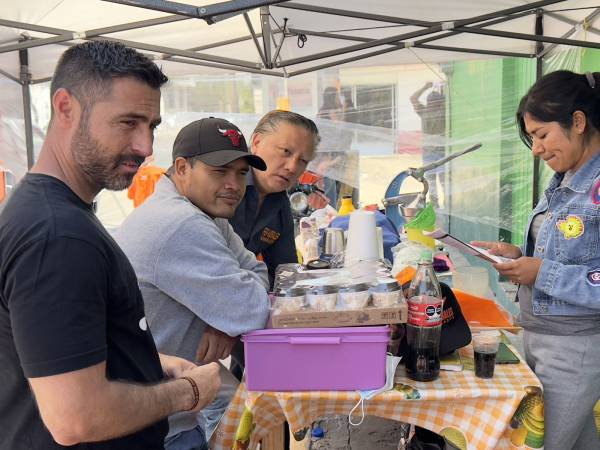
425, 311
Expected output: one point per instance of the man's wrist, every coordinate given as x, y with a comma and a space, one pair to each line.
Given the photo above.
181, 395
195, 393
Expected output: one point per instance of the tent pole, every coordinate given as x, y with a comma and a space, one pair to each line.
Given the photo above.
9, 76
225, 67
571, 22
211, 13
539, 71
278, 46
255, 38
529, 37
589, 19
25, 82
458, 25
97, 35
265, 24
416, 44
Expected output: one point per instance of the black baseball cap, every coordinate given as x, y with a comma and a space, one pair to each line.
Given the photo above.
215, 142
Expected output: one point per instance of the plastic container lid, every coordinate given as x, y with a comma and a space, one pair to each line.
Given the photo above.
321, 290
490, 333
317, 264
386, 285
426, 256
379, 333
289, 292
359, 287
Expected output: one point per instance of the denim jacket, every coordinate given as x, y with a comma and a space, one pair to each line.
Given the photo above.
568, 242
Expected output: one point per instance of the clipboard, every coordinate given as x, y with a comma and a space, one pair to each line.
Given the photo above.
452, 241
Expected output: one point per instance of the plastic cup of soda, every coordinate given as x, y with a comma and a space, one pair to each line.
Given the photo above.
485, 347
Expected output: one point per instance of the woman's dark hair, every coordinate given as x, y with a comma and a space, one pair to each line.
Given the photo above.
556, 96
87, 70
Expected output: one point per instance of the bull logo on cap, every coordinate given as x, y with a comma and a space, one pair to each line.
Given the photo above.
233, 135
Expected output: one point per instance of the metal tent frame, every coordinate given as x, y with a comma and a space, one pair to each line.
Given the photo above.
270, 40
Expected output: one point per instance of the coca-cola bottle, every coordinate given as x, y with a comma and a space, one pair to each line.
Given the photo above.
424, 322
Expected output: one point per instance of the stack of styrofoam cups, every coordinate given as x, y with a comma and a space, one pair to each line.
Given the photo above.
379, 234
361, 244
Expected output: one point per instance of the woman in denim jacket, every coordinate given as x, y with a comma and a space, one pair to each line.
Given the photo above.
558, 268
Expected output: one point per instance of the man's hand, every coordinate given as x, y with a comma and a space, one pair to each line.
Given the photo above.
428, 85
214, 345
174, 366
208, 381
499, 248
520, 271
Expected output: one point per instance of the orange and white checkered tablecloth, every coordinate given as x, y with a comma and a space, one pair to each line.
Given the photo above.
480, 409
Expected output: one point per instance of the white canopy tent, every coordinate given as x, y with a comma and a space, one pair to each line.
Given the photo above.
285, 38
343, 32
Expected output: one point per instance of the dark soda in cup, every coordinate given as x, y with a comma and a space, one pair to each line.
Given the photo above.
485, 347
484, 364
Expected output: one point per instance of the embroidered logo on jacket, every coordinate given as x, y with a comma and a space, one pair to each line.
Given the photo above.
596, 194
269, 236
593, 277
571, 227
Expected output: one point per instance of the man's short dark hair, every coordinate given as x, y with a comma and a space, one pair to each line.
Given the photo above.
87, 70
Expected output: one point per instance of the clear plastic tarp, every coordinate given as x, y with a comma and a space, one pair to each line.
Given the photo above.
382, 121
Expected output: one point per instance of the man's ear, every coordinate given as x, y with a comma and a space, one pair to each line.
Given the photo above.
66, 108
181, 166
255, 142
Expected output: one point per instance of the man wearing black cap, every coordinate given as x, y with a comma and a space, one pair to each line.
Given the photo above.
201, 287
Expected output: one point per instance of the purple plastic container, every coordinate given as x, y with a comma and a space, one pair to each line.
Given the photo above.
316, 359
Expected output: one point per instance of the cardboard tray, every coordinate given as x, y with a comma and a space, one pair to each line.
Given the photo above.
341, 318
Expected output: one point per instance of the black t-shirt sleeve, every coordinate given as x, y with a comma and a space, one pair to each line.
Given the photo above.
57, 293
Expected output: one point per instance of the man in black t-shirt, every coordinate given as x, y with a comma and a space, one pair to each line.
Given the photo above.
78, 365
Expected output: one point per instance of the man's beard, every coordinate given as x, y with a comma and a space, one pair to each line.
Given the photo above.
97, 162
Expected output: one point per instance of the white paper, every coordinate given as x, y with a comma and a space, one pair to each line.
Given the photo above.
452, 241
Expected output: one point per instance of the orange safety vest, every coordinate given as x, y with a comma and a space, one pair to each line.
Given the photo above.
143, 184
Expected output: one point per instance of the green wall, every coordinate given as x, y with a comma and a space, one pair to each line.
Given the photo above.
491, 188
590, 60
516, 159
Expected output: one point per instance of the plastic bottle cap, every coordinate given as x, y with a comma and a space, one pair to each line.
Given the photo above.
426, 255
318, 432
317, 264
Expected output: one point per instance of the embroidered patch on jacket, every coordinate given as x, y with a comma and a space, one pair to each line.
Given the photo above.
269, 236
571, 227
596, 194
593, 277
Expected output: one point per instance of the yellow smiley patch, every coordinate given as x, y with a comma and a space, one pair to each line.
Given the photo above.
571, 227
